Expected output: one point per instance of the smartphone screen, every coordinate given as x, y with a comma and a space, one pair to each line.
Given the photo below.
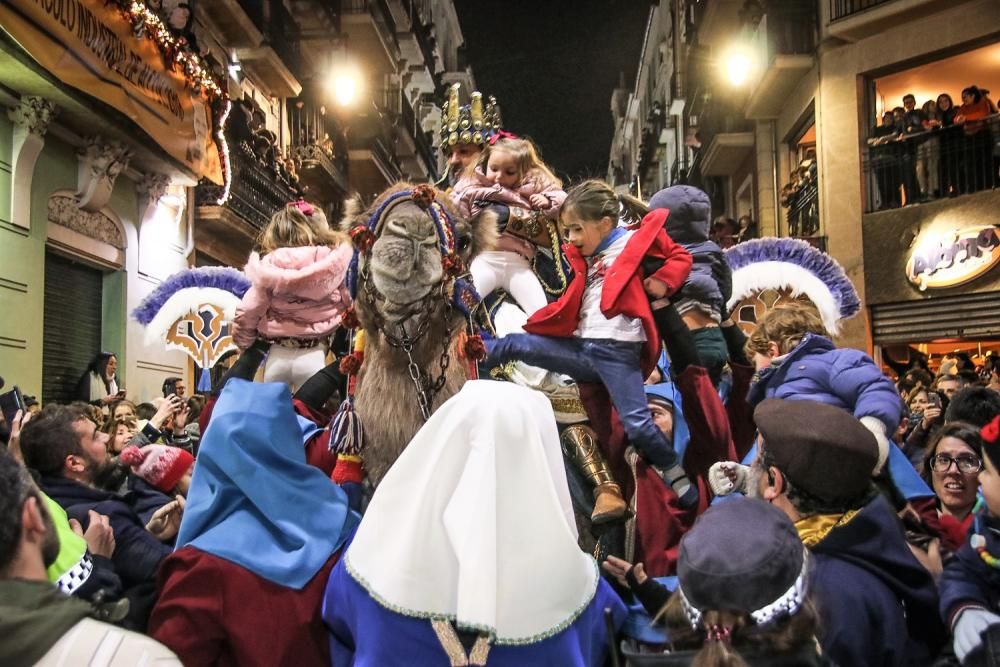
10, 403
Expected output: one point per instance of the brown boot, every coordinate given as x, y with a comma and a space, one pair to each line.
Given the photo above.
579, 442
609, 505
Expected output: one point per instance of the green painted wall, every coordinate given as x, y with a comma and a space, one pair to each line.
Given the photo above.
22, 264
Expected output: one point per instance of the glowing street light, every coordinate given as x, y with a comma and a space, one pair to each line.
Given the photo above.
738, 68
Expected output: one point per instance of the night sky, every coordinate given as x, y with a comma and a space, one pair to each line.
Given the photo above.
552, 65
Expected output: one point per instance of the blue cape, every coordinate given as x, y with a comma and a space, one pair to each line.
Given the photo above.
254, 500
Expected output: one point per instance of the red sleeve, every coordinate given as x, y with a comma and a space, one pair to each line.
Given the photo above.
186, 618
676, 264
740, 412
711, 439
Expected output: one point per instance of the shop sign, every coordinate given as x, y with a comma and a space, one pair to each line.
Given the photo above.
947, 260
91, 46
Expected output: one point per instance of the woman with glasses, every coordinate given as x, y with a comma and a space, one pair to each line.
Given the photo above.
952, 466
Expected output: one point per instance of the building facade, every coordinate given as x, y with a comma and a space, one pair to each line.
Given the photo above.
776, 102
116, 174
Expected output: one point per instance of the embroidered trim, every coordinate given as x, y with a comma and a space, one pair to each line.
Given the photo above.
786, 605
453, 648
484, 629
814, 529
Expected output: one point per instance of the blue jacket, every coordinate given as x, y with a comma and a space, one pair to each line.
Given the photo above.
967, 581
878, 605
137, 553
815, 370
689, 224
365, 634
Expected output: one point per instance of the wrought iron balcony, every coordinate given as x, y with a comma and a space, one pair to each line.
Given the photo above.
319, 149
841, 9
260, 181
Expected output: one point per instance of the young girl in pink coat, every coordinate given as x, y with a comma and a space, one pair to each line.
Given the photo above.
510, 172
298, 295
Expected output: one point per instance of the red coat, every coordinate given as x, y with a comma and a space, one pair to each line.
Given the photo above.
213, 612
660, 522
623, 292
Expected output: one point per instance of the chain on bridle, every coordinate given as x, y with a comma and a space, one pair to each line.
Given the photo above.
426, 387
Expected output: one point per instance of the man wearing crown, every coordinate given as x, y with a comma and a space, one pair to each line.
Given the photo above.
465, 131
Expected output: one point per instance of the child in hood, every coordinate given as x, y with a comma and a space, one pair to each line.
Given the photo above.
702, 298
298, 295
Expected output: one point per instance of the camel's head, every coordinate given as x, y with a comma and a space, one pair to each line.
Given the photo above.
418, 240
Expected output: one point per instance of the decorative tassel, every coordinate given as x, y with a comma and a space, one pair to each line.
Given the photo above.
205, 381
346, 433
362, 238
348, 469
452, 265
350, 318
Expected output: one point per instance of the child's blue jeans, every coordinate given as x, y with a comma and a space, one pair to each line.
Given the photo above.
614, 363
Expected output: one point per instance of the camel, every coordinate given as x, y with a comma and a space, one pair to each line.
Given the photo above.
413, 250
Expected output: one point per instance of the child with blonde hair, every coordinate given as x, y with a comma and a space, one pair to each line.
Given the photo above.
510, 172
298, 295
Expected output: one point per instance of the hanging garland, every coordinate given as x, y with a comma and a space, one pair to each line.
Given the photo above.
176, 51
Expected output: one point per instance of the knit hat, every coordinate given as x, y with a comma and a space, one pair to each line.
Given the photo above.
159, 465
991, 441
690, 209
824, 450
765, 577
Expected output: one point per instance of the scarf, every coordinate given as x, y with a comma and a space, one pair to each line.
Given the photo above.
814, 528
34, 615
474, 524
254, 500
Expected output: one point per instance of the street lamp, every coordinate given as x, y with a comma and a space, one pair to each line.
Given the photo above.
738, 66
345, 89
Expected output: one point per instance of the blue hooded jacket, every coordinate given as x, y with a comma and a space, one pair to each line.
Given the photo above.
689, 224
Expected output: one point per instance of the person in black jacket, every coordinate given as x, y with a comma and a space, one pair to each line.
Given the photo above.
69, 453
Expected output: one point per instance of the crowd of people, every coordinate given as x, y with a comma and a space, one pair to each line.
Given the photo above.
938, 149
757, 498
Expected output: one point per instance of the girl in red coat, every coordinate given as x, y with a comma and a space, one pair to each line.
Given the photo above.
601, 330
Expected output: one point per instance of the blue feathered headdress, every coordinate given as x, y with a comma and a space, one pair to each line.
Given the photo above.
773, 263
198, 296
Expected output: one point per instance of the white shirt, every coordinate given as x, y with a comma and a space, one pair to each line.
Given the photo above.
593, 323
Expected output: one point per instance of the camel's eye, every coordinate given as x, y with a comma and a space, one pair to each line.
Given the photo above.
462, 243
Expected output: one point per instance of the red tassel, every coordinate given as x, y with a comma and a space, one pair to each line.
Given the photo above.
362, 238
452, 265
350, 319
350, 364
474, 348
423, 195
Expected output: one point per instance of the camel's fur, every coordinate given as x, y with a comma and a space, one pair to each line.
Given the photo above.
386, 398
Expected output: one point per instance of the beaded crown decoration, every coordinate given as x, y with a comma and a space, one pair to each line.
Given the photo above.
473, 123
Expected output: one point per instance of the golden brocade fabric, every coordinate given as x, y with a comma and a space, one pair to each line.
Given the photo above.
813, 529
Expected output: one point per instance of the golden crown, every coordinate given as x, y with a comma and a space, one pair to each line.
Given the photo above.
469, 124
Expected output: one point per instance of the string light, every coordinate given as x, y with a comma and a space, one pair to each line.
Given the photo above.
220, 138
176, 51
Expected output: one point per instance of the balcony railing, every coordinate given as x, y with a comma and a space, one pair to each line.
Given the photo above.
803, 209
380, 14
841, 9
910, 168
318, 146
260, 182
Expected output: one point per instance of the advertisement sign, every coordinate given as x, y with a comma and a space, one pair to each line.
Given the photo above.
91, 46
953, 258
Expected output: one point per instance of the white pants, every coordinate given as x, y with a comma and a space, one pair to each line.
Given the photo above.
511, 271
293, 366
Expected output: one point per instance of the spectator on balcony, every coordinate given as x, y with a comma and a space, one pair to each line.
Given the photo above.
978, 156
883, 161
929, 153
747, 229
950, 145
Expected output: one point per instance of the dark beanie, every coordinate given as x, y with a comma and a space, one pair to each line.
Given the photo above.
742, 555
824, 450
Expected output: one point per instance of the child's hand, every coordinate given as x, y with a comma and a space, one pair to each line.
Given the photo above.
655, 288
540, 201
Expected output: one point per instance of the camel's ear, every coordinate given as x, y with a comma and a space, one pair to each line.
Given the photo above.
354, 213
484, 231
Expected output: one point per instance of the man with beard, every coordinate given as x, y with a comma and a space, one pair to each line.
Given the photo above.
38, 624
71, 455
878, 604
